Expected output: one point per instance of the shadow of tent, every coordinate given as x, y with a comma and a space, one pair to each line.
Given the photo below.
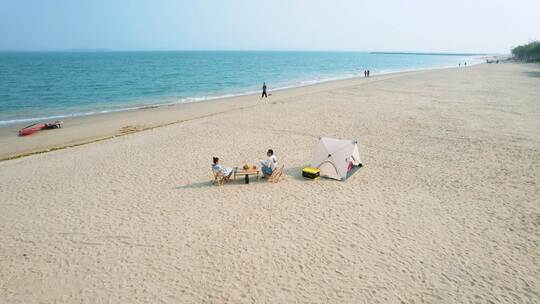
533, 74
353, 171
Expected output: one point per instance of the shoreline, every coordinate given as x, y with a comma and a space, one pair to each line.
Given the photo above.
195, 99
119, 123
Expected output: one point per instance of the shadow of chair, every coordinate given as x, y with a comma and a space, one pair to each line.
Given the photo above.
294, 173
198, 185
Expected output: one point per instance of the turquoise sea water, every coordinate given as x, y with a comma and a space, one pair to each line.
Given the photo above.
46, 85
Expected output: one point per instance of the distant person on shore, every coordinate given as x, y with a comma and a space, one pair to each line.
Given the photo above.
264, 91
460, 64
269, 165
367, 73
465, 64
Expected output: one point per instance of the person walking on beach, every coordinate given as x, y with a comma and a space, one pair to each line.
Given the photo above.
264, 91
368, 73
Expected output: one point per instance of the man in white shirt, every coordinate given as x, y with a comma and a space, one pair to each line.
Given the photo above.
270, 164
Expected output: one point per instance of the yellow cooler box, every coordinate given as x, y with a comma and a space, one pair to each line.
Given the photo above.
310, 172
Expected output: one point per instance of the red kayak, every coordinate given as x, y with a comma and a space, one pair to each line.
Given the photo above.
31, 129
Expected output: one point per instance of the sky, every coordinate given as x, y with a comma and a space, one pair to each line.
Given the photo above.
335, 25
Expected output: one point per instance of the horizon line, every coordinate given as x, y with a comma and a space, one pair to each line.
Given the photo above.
106, 50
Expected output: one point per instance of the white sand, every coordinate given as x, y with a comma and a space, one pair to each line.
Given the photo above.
446, 209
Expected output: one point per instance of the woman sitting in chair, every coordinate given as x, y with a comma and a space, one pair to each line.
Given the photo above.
269, 165
217, 167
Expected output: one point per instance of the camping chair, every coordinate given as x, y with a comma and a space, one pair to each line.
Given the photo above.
219, 178
277, 175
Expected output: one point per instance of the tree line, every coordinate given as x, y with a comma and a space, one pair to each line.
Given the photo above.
529, 52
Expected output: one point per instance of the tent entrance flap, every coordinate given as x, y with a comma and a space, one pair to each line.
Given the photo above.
336, 158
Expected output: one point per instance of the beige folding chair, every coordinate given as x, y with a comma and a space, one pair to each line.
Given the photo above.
277, 175
219, 178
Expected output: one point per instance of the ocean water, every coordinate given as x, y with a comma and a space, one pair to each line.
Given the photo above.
36, 86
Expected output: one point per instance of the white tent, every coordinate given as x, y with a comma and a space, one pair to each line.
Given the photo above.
336, 158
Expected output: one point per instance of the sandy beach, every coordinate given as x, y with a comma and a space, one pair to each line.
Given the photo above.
445, 210
81, 130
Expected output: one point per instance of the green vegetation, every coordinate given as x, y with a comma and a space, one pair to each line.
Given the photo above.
529, 52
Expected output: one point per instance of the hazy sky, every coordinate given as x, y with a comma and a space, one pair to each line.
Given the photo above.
399, 25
